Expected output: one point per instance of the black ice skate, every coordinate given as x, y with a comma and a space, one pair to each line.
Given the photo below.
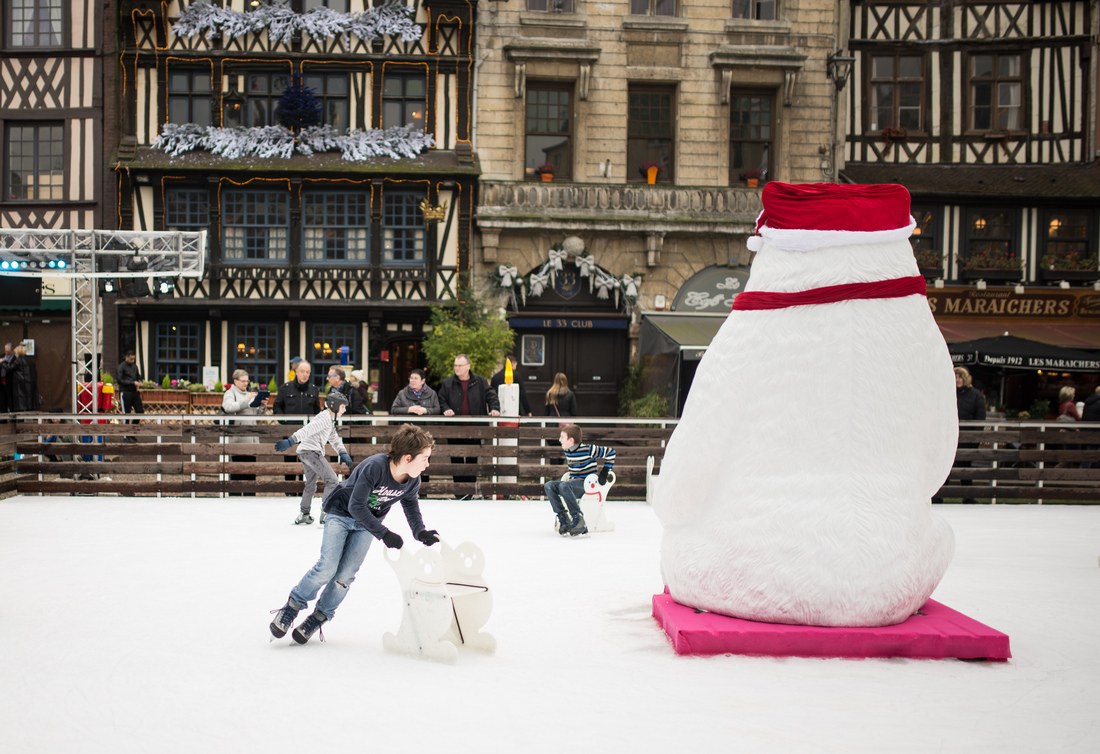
308, 627
286, 615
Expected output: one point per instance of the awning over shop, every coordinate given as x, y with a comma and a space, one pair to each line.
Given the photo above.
691, 333
1010, 352
1064, 335
671, 346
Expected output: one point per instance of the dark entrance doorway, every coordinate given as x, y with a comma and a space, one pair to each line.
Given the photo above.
398, 357
570, 329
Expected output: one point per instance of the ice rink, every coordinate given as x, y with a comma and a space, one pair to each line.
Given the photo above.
140, 625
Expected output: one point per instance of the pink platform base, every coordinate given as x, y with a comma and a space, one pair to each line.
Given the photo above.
936, 632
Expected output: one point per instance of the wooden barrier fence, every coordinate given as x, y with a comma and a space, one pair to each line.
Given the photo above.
203, 456
182, 455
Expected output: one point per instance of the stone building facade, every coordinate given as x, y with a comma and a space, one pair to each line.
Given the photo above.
710, 93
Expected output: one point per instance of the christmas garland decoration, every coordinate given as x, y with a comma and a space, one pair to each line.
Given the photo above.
276, 141
282, 23
605, 285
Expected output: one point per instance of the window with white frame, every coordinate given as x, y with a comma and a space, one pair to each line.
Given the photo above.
255, 226
550, 6
758, 10
549, 129
896, 93
996, 92
402, 228
651, 120
751, 134
33, 23
335, 227
653, 7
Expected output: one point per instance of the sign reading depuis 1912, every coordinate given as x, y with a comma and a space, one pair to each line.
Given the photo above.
1005, 302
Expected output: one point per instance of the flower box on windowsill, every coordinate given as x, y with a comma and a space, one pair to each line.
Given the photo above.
1071, 276
165, 401
990, 274
206, 403
931, 273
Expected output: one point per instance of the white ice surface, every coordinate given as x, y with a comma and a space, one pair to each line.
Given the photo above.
141, 626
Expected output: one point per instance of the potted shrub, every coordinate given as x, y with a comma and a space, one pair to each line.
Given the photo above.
649, 171
891, 134
930, 262
751, 177
993, 263
545, 171
1068, 264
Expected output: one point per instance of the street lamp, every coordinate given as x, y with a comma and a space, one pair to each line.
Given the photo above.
839, 68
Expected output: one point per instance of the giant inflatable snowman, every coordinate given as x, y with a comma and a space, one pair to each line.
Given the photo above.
796, 488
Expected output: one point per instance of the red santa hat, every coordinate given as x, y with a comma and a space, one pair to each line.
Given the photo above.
812, 215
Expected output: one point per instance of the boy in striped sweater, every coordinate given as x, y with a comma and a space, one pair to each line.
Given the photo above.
311, 440
582, 460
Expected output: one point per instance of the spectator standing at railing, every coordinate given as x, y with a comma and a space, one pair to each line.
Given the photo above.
560, 400
466, 394
1067, 404
337, 380
237, 401
582, 460
5, 381
1091, 412
299, 395
971, 406
359, 385
416, 398
129, 378
23, 376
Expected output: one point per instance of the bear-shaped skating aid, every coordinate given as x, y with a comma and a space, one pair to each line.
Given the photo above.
446, 602
796, 487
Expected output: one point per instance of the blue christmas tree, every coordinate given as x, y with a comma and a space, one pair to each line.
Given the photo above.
298, 107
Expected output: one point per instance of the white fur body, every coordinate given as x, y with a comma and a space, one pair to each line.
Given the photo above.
796, 488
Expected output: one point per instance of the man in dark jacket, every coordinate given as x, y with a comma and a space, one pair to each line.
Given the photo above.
129, 377
298, 396
971, 406
1092, 407
466, 394
337, 380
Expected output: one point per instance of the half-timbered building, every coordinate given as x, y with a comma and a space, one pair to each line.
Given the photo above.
337, 231
986, 111
55, 57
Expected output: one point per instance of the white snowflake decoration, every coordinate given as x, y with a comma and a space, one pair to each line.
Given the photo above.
276, 141
281, 23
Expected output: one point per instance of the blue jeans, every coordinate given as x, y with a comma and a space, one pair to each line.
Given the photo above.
344, 546
569, 492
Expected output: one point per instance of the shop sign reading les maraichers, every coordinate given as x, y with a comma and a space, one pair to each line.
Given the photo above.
1005, 302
